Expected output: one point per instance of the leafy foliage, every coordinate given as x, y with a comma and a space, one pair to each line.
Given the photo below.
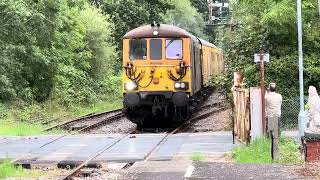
129, 14
8, 169
185, 16
54, 49
270, 25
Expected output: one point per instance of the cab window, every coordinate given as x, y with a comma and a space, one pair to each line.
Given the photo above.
138, 49
155, 49
174, 48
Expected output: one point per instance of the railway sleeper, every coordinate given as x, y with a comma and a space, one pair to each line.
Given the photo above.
70, 164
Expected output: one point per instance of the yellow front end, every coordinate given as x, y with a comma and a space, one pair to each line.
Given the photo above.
156, 66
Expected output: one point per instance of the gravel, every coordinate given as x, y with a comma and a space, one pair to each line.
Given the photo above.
219, 121
87, 121
121, 126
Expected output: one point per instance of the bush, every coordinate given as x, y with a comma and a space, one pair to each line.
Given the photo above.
57, 50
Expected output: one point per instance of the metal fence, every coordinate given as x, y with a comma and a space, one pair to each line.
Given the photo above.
289, 114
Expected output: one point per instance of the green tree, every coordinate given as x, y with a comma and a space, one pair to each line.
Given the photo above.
54, 49
129, 14
270, 25
202, 7
184, 15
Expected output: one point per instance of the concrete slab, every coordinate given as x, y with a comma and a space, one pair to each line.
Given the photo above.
76, 148
230, 171
158, 170
208, 144
8, 139
14, 147
131, 149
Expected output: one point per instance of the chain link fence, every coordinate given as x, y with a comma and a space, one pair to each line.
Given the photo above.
289, 114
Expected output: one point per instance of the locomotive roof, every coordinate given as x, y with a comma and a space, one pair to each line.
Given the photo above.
164, 30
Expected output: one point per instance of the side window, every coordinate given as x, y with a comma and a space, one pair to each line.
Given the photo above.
155, 49
138, 49
174, 48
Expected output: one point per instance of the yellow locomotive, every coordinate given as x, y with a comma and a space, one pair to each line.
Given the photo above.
166, 72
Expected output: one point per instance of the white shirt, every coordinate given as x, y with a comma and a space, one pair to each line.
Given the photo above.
273, 104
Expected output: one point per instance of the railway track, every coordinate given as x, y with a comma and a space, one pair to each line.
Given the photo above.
89, 122
180, 128
96, 120
76, 170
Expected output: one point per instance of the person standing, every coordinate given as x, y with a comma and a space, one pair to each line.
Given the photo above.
273, 110
314, 109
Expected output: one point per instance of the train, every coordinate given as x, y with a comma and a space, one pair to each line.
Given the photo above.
166, 73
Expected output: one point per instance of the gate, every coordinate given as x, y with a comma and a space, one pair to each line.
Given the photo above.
241, 114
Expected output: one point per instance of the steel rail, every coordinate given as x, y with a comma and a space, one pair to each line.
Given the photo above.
88, 116
164, 139
75, 171
89, 127
102, 122
211, 105
183, 125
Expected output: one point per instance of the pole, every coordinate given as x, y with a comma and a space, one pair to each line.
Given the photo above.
319, 6
301, 113
263, 110
210, 10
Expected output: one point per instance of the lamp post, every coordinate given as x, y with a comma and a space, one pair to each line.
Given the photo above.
319, 6
301, 118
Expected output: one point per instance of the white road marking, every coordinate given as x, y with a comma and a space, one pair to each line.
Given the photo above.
189, 171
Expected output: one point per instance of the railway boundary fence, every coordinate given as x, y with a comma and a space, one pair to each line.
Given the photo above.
242, 114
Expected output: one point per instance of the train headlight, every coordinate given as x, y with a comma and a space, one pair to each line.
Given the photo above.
181, 85
130, 86
177, 85
155, 33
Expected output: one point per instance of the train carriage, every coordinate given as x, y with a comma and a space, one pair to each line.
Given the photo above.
165, 69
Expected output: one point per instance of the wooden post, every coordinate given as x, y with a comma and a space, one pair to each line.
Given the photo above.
275, 139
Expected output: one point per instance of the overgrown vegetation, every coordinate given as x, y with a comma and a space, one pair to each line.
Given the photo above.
60, 58
259, 151
23, 119
270, 25
7, 169
63, 58
197, 156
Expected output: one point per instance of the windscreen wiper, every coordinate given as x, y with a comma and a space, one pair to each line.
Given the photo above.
171, 41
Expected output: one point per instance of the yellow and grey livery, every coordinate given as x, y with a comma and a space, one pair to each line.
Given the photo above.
164, 68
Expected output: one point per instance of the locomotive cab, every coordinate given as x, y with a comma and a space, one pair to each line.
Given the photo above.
161, 72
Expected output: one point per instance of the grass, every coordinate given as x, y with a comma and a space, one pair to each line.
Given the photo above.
25, 129
197, 156
7, 169
98, 107
24, 119
20, 129
259, 151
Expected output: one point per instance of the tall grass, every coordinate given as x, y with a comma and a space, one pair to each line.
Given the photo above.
7, 169
20, 129
30, 119
259, 151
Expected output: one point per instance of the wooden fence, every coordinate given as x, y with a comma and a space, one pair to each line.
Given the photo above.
241, 114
